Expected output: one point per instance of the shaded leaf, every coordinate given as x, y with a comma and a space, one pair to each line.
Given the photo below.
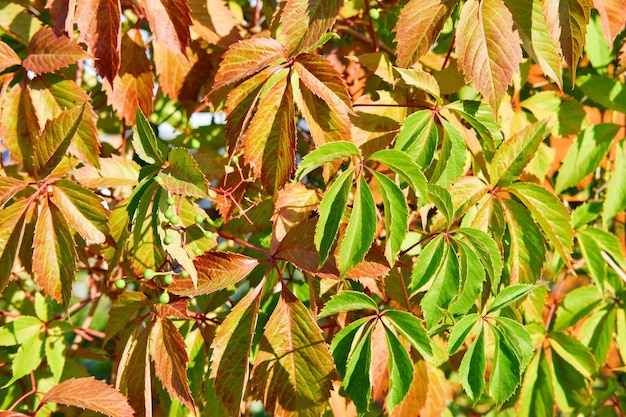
28, 357
537, 393
123, 308
9, 187
604, 91
357, 380
294, 204
170, 21
91, 394
217, 27
489, 53
452, 156
574, 353
428, 262
11, 225
48, 53
348, 301
145, 141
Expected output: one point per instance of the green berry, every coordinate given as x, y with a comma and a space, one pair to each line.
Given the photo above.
164, 298
197, 251
234, 159
194, 143
168, 240
207, 234
169, 213
174, 220
148, 274
184, 274
168, 279
374, 14
199, 218
120, 283
171, 201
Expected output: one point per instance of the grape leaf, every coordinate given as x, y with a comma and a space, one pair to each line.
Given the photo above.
48, 53
89, 393
489, 53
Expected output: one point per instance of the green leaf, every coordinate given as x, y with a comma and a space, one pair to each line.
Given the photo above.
615, 199
400, 371
293, 369
514, 154
452, 156
122, 310
490, 61
444, 289
574, 353
597, 332
428, 262
571, 389
518, 338
55, 140
405, 167
357, 383
533, 30
607, 92
442, 199
592, 254
231, 351
526, 252
361, 229
411, 328
506, 373
55, 347
331, 210
460, 331
348, 301
145, 142
325, 154
575, 305
487, 250
608, 242
471, 278
472, 368
585, 214
182, 175
28, 357
44, 309
396, 216
537, 393
585, 154
508, 296
548, 211
20, 330
418, 137
481, 118
343, 342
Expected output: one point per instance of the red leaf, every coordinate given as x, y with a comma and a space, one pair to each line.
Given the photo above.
613, 17
303, 22
170, 21
134, 83
216, 270
269, 144
489, 51
170, 360
324, 81
214, 22
48, 53
8, 57
99, 26
91, 394
418, 27
62, 12
248, 57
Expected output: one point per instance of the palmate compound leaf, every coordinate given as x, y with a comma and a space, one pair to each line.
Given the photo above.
326, 153
567, 24
167, 348
361, 229
514, 154
293, 369
585, 154
418, 27
55, 140
396, 216
533, 30
231, 351
489, 53
48, 53
269, 143
301, 23
550, 213
54, 254
91, 394
331, 209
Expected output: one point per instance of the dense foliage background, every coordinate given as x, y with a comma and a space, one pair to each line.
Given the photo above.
312, 207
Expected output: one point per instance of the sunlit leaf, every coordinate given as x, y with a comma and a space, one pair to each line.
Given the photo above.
419, 137
396, 216
219, 26
574, 353
170, 21
613, 17
8, 57
537, 395
615, 200
183, 176
405, 167
472, 369
509, 295
411, 328
323, 80
357, 382
506, 373
113, 172
48, 53
324, 154
444, 288
400, 371
11, 224
348, 301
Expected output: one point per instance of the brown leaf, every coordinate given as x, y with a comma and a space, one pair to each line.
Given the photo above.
170, 21
167, 347
62, 12
48, 53
99, 26
294, 204
214, 22
613, 17
134, 83
418, 27
216, 270
489, 53
248, 57
8, 57
91, 394
340, 405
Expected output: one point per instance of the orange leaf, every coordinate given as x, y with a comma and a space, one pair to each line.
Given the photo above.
18, 123
489, 51
612, 16
62, 12
91, 394
8, 57
170, 21
319, 76
170, 360
134, 83
418, 27
48, 53
294, 204
99, 26
214, 22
